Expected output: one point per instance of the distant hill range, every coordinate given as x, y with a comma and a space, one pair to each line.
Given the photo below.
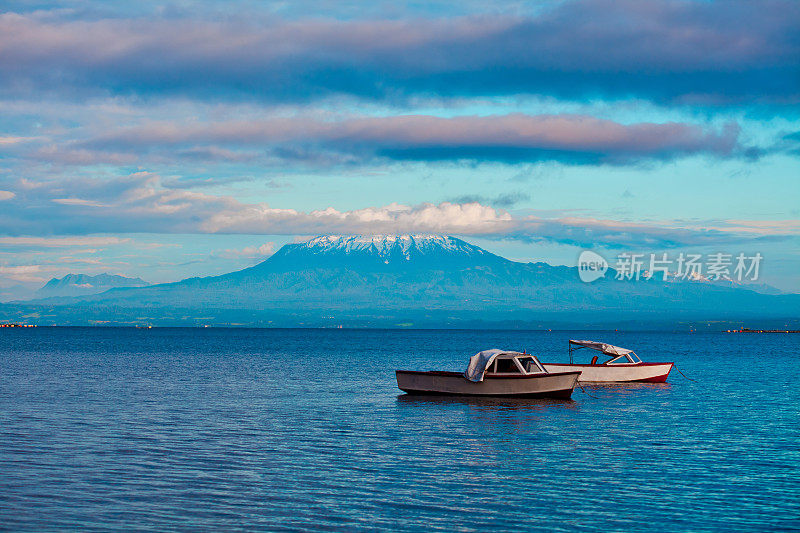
414, 280
83, 284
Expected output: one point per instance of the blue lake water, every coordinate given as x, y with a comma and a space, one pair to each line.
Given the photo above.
305, 430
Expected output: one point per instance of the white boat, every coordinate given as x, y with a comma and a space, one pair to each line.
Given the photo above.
623, 365
493, 373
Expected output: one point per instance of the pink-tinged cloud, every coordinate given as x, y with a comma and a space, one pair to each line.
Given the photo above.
513, 137
761, 227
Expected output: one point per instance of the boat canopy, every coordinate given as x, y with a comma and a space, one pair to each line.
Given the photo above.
608, 349
479, 362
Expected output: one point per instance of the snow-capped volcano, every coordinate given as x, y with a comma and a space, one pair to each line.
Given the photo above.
383, 251
388, 246
420, 279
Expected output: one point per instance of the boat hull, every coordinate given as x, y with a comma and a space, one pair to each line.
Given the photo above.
621, 373
555, 385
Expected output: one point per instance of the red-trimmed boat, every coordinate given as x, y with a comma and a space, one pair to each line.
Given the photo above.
493, 373
623, 365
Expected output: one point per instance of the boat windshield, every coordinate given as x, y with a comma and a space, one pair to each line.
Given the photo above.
628, 358
505, 366
530, 365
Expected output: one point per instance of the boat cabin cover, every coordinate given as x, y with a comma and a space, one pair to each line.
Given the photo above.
502, 363
617, 354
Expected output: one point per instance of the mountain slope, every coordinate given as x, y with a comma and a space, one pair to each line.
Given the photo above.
83, 284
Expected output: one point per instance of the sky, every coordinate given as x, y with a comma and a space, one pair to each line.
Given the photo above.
168, 140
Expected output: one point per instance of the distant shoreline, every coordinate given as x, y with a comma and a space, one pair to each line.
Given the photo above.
690, 330
748, 330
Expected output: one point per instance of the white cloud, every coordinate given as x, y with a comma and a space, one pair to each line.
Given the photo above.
264, 250
427, 218
251, 252
141, 203
78, 260
77, 201
62, 241
8, 139
24, 273
6, 195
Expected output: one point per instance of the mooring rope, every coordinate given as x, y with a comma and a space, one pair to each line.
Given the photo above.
682, 374
578, 383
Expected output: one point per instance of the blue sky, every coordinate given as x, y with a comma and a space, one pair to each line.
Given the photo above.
167, 140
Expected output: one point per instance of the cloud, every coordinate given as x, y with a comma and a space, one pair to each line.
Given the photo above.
76, 201
9, 140
250, 252
762, 227
23, 273
569, 138
591, 232
6, 195
50, 242
80, 260
140, 203
424, 218
505, 200
703, 53
65, 155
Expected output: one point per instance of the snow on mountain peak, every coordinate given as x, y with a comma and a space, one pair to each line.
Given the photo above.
387, 245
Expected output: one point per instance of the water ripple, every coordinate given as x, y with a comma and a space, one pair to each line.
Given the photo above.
293, 430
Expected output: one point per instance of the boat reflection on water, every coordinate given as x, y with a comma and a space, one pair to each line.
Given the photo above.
594, 388
465, 417
490, 402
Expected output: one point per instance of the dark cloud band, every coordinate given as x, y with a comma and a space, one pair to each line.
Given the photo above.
572, 139
703, 53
